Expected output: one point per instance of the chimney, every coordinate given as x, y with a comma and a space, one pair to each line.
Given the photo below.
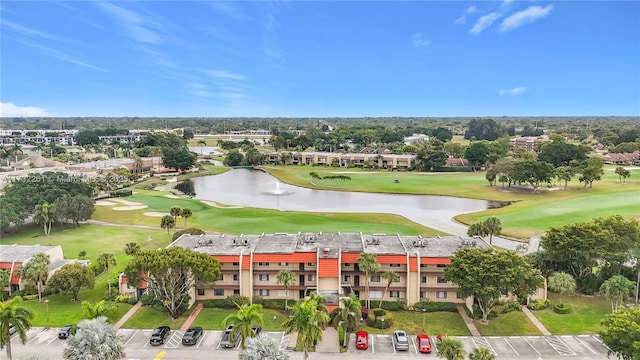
325, 252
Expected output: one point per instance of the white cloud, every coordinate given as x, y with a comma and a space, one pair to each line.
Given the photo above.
463, 19
484, 22
512, 92
531, 14
506, 3
137, 27
224, 74
11, 110
419, 40
228, 9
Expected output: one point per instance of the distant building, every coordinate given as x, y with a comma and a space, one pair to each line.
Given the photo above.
622, 158
388, 161
529, 143
410, 140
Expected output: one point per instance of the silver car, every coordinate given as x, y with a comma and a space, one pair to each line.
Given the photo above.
400, 340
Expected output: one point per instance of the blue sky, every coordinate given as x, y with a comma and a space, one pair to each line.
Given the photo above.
319, 58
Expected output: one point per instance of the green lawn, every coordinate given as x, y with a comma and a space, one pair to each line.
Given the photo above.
513, 323
148, 318
211, 319
585, 318
440, 322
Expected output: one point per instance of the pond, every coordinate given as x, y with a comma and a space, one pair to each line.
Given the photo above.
254, 188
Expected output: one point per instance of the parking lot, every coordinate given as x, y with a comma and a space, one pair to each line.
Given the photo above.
504, 347
44, 343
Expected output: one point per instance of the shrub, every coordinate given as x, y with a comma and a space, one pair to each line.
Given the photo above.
121, 193
191, 231
399, 304
505, 308
215, 303
132, 300
96, 268
562, 309
30, 297
123, 298
158, 307
341, 337
539, 304
277, 304
147, 299
374, 319
433, 306
233, 301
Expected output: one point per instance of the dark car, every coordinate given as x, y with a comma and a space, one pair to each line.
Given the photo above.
192, 335
257, 329
65, 332
362, 340
12, 329
158, 336
424, 343
400, 340
230, 337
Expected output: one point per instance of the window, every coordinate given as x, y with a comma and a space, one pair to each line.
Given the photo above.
200, 292
375, 294
221, 277
263, 264
394, 294
236, 291
263, 277
375, 278
283, 264
218, 292
311, 278
347, 265
459, 296
423, 279
442, 265
441, 294
235, 263
394, 265
347, 278
311, 264
424, 265
424, 294
263, 292
235, 277
441, 280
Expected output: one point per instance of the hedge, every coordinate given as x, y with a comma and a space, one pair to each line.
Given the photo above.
538, 304
375, 316
433, 306
121, 193
562, 309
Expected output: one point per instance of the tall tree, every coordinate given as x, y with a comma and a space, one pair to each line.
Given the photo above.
45, 214
167, 222
368, 264
533, 172
306, 320
560, 153
87, 137
77, 208
4, 282
493, 226
634, 255
70, 279
131, 248
565, 173
202, 142
262, 347
348, 316
590, 170
450, 349
286, 278
617, 289
94, 339
620, 332
175, 212
178, 158
390, 276
562, 283
36, 270
622, 173
246, 316
485, 275
107, 260
477, 229
171, 273
13, 313
477, 153
186, 213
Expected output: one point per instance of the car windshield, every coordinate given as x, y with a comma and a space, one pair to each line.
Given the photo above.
424, 342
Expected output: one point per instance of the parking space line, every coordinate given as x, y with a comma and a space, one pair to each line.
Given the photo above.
35, 337
131, 338
415, 348
560, 346
533, 347
511, 346
174, 340
201, 339
586, 345
52, 340
483, 343
433, 343
373, 350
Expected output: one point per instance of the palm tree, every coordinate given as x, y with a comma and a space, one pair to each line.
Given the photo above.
100, 308
4, 153
493, 227
45, 214
167, 222
202, 142
306, 320
391, 277
14, 150
482, 353
635, 256
263, 347
186, 213
131, 248
246, 316
107, 260
450, 349
94, 339
13, 313
369, 265
562, 283
175, 212
286, 278
36, 270
618, 288
348, 315
4, 282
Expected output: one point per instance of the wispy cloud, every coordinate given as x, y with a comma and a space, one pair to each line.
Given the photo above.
419, 40
484, 22
11, 110
222, 74
506, 3
228, 9
23, 30
136, 26
531, 14
463, 19
512, 92
61, 55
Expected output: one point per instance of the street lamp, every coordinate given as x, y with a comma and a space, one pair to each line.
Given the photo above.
424, 312
382, 319
47, 304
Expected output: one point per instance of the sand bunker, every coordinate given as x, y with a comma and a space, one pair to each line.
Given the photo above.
125, 202
171, 196
215, 204
130, 207
155, 214
104, 203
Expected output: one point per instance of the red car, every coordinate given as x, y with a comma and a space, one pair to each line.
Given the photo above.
362, 340
424, 343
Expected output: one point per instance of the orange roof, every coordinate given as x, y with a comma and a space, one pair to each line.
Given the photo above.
434, 261
246, 262
350, 258
391, 259
227, 258
328, 268
298, 257
413, 264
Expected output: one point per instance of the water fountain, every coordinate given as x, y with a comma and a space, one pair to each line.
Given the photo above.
278, 190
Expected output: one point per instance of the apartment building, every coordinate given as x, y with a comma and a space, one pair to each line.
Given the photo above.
390, 161
327, 263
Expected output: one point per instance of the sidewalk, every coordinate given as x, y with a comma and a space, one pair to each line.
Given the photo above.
535, 321
128, 315
468, 321
191, 317
329, 343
